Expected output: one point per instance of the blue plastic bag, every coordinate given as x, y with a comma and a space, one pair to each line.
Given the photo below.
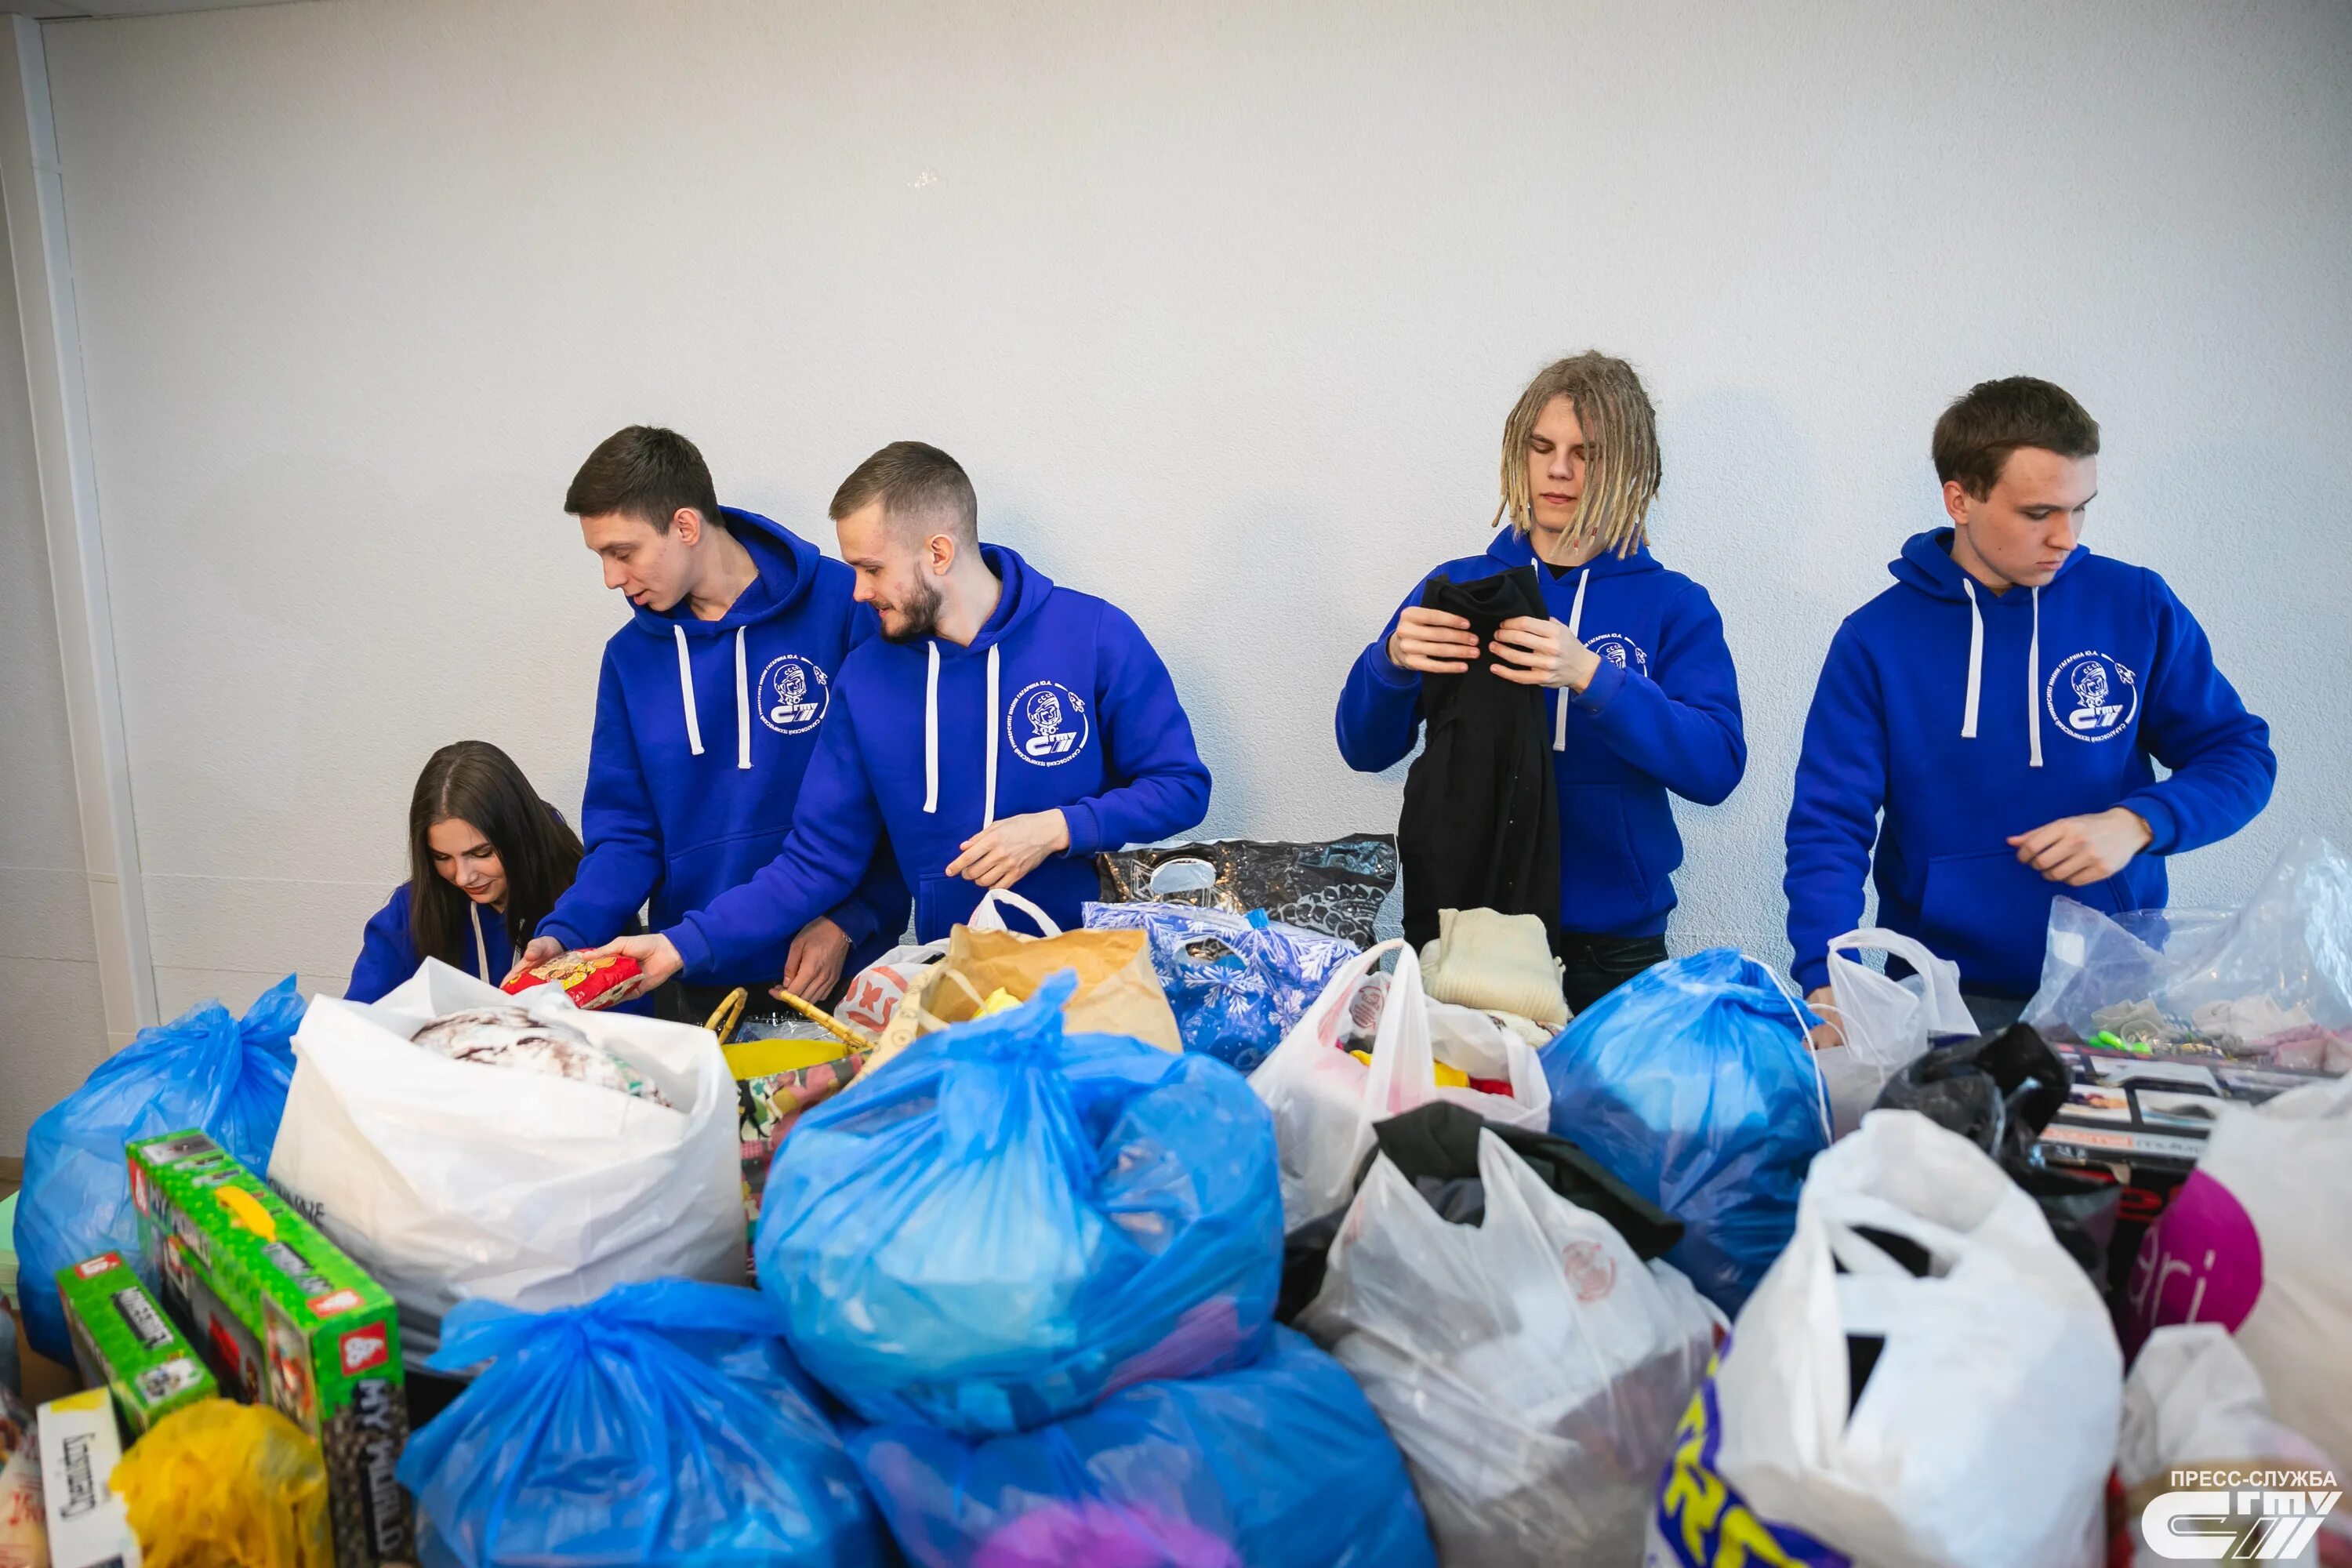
202, 1069
1005, 1222
1236, 984
1694, 1084
662, 1423
1280, 1464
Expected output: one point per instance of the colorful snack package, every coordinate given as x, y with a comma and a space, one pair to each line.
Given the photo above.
592, 983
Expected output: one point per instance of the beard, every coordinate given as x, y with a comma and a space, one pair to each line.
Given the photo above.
920, 609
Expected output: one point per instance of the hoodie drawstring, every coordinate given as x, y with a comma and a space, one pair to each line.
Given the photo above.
988, 733
742, 707
931, 735
2033, 680
1575, 620
481, 948
1976, 674
686, 694
1976, 660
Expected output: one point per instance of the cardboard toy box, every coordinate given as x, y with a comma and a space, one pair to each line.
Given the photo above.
2141, 1121
124, 1343
286, 1318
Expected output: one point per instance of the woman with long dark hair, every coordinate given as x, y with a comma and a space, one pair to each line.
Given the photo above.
487, 860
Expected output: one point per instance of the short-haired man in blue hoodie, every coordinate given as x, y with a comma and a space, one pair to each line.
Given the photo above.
734, 617
998, 732
2001, 706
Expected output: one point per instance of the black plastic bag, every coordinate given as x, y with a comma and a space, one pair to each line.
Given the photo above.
1999, 1090
1336, 888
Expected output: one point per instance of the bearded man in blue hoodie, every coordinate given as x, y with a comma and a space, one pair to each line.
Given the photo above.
734, 618
998, 732
1991, 719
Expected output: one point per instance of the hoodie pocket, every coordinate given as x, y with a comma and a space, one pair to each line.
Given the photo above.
1987, 913
1602, 882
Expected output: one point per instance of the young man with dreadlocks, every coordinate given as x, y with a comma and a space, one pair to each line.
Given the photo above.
1644, 700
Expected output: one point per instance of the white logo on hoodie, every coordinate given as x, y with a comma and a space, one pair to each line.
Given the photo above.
793, 695
1620, 649
1047, 723
2092, 697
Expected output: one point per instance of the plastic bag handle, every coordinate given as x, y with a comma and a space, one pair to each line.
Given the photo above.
986, 916
1910, 950
1812, 1058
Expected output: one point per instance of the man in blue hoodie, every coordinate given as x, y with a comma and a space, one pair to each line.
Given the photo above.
734, 618
1989, 721
998, 732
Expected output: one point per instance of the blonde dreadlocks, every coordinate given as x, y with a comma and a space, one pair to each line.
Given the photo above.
1621, 465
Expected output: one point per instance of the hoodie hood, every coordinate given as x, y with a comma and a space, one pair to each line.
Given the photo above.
1513, 548
1024, 590
787, 566
1926, 566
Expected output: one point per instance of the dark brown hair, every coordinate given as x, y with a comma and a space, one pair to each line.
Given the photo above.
911, 480
474, 782
647, 473
1977, 433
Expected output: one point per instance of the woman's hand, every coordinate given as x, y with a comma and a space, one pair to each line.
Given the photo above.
1431, 642
1530, 652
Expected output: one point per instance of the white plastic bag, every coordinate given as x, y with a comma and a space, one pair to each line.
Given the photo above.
1530, 1366
449, 1179
1984, 1431
876, 991
2194, 1401
1887, 1024
1325, 1101
2259, 1240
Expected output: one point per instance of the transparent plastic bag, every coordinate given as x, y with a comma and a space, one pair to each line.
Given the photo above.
1335, 887
220, 1482
204, 1069
1005, 1222
1236, 983
1280, 1464
662, 1424
1531, 1367
2275, 975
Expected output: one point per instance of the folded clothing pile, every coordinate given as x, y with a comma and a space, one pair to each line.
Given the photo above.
511, 1037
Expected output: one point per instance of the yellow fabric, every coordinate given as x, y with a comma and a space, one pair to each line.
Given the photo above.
1485, 960
758, 1059
1445, 1076
999, 1001
1118, 992
224, 1485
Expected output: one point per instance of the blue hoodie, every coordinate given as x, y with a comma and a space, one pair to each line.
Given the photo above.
704, 730
388, 953
1058, 703
1968, 718
1662, 713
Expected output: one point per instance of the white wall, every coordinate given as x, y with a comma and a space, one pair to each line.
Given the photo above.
52, 1018
1223, 308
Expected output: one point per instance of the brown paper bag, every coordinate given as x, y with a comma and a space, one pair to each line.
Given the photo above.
1118, 992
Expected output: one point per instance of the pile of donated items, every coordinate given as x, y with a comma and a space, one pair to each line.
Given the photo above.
1217, 1234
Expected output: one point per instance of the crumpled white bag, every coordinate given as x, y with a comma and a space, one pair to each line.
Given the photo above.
1887, 1024
1325, 1101
448, 1180
1531, 1367
1985, 1432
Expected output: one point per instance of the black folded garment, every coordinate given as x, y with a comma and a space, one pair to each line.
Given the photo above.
1436, 1148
